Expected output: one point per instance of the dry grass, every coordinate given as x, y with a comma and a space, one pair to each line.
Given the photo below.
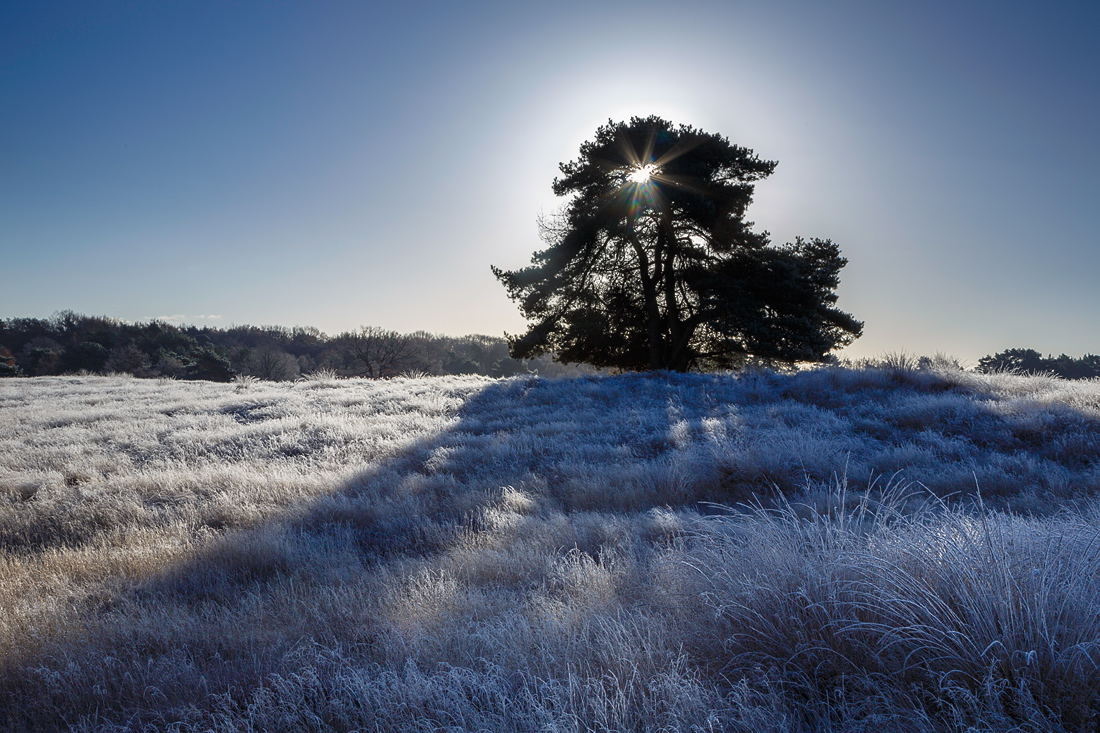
526, 554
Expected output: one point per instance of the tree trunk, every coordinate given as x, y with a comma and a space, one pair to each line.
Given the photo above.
666, 246
653, 311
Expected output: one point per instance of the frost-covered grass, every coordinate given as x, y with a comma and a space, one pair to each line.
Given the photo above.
529, 554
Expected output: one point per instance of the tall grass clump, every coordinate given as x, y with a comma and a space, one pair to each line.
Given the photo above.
973, 619
324, 377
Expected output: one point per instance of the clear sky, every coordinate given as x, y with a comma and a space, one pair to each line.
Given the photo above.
334, 164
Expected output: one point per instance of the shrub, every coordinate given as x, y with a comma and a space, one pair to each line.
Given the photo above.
128, 360
7, 363
209, 365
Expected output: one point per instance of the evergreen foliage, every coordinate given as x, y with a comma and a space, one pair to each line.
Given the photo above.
70, 343
7, 363
211, 366
652, 264
1030, 361
87, 356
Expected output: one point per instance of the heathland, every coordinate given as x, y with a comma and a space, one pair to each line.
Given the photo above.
886, 548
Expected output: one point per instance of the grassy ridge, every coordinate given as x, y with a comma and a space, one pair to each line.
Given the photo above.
533, 554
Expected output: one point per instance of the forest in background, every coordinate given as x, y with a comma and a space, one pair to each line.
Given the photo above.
71, 343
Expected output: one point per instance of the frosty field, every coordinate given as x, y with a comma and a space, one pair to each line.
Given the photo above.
838, 549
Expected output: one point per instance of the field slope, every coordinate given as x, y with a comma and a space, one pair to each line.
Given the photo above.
836, 549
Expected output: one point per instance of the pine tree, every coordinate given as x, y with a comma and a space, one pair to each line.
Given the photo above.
652, 265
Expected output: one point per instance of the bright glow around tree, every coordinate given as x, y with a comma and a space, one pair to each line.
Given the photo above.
643, 173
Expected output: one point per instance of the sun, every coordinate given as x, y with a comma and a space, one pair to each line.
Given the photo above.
641, 174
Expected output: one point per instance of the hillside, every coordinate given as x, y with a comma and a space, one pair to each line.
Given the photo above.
922, 553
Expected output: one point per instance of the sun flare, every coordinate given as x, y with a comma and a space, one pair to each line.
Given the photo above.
643, 173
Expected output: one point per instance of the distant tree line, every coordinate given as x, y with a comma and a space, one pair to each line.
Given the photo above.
70, 343
1032, 362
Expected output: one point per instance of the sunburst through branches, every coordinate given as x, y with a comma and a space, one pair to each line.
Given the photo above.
641, 174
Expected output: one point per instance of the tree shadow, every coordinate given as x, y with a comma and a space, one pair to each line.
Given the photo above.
586, 445
239, 607
518, 456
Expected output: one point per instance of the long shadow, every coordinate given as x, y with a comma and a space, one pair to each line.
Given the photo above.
540, 439
587, 446
418, 503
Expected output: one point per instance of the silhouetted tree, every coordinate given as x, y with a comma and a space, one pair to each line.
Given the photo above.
272, 365
377, 352
84, 356
652, 265
1014, 360
128, 359
170, 364
1085, 367
69, 342
1030, 361
209, 365
40, 357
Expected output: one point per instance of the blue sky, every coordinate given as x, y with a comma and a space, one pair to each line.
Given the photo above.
336, 164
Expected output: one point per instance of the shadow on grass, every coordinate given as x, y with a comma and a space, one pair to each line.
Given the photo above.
333, 571
328, 572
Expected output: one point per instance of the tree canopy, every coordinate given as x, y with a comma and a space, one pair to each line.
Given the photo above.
652, 265
70, 343
1030, 361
